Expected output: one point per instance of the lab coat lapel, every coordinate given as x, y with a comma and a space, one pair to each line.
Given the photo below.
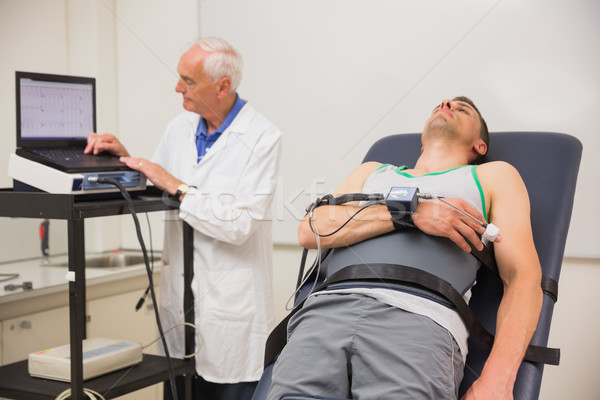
235, 132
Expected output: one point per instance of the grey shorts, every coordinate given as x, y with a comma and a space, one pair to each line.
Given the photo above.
350, 346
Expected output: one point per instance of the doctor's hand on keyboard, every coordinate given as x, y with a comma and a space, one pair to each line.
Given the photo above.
107, 142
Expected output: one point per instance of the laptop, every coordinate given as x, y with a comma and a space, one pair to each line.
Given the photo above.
55, 113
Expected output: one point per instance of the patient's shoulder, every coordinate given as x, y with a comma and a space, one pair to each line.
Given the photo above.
366, 169
497, 168
370, 165
355, 181
498, 174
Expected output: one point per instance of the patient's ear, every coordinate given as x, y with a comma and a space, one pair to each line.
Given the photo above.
480, 147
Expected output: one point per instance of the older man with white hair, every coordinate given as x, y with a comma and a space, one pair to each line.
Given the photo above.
220, 160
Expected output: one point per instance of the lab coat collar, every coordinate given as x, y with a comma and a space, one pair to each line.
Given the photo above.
236, 130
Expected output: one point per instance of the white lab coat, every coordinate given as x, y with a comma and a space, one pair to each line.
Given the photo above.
230, 211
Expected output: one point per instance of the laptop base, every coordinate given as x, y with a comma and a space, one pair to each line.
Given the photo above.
30, 175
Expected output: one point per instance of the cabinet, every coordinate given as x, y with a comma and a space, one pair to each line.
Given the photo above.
24, 334
15, 381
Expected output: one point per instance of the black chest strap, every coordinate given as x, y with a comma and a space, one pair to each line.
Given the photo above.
393, 273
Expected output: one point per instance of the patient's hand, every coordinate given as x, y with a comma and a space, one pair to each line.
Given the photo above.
436, 218
490, 390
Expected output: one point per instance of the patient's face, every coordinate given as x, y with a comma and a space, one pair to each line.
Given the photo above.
454, 120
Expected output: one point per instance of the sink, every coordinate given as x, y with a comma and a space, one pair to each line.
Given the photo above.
113, 260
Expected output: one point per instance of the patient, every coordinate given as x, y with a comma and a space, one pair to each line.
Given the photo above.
393, 342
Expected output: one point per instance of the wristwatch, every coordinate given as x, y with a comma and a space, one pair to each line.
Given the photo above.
181, 190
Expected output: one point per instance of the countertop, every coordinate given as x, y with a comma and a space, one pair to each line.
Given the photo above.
50, 285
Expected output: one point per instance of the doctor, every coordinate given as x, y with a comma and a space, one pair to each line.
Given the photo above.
220, 159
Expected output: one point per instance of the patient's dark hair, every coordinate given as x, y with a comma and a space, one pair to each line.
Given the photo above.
483, 133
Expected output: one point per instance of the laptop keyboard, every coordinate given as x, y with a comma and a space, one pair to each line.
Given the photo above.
69, 154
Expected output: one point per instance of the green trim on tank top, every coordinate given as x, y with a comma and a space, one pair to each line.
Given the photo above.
400, 169
478, 183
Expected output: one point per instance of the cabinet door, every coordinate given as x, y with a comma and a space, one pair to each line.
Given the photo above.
34, 332
115, 317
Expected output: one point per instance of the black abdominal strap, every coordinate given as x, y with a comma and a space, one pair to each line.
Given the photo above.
395, 273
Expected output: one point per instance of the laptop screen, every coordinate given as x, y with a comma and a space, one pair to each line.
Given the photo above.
54, 110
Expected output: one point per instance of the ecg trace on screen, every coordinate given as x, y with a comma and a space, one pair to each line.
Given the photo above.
56, 110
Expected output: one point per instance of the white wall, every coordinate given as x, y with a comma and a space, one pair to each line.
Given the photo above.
132, 47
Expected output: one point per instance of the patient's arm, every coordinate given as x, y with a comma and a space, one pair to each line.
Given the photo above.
520, 271
431, 218
439, 219
371, 222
